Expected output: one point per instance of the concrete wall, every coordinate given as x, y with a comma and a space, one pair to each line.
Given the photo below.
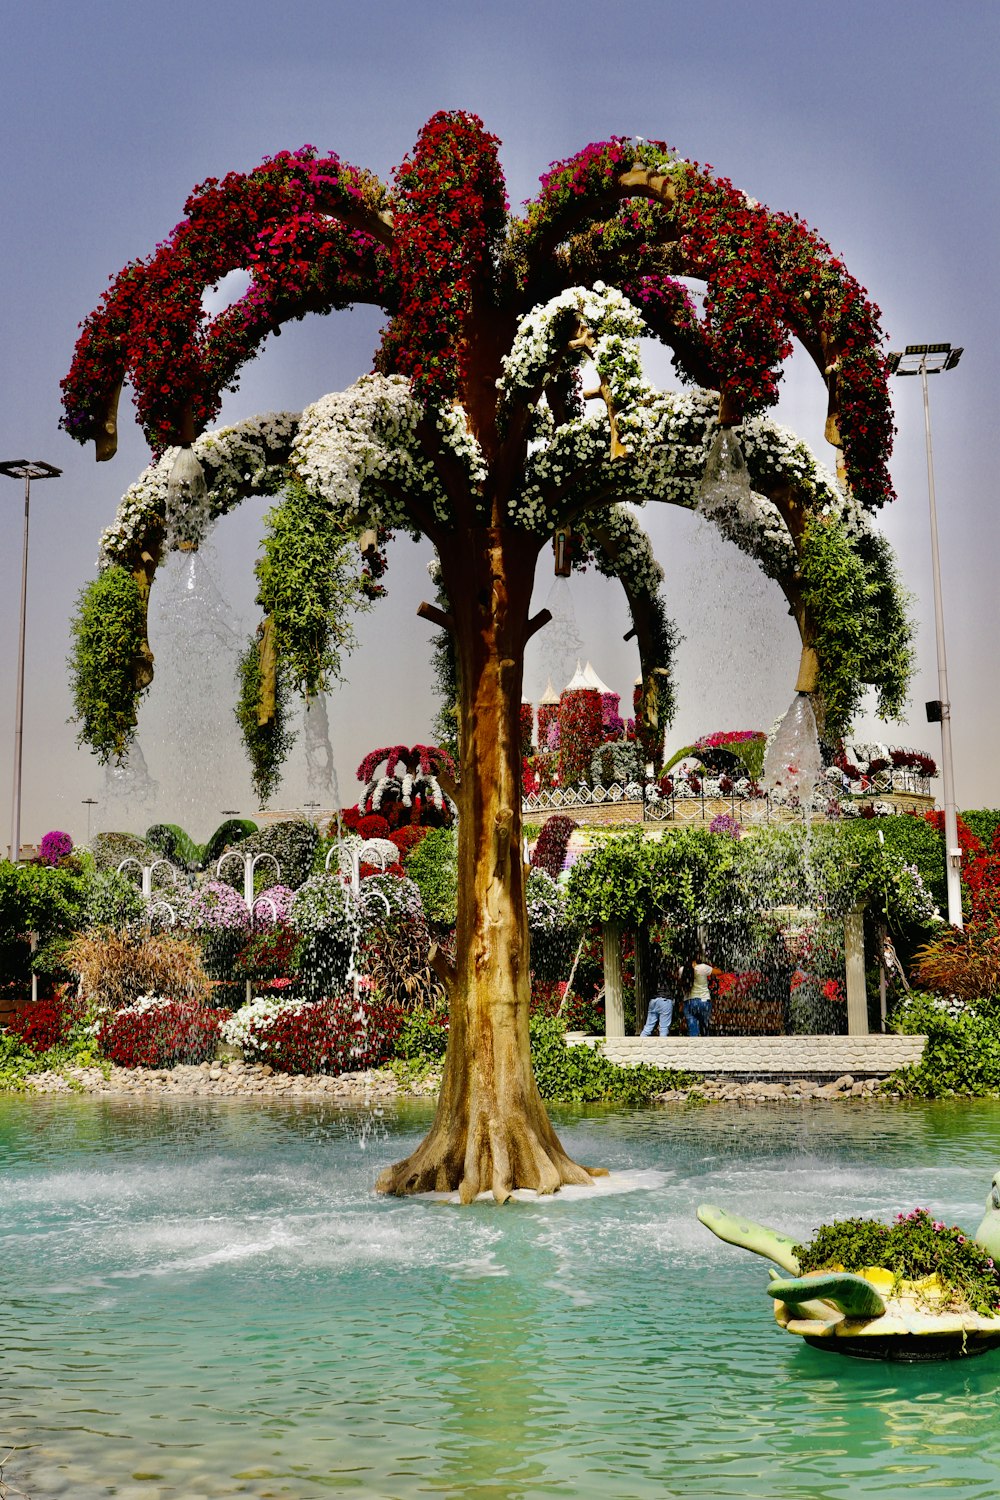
763, 1056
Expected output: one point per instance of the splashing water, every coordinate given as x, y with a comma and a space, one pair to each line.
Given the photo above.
793, 761
555, 649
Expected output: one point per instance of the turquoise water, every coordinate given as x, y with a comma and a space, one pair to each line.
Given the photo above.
205, 1299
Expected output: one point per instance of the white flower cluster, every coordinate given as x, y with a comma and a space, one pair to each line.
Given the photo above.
249, 458
248, 1027
633, 551
357, 447
540, 348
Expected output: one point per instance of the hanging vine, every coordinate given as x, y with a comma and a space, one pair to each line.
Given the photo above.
106, 679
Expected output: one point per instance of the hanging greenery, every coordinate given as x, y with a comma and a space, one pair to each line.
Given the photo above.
267, 744
310, 584
863, 636
108, 630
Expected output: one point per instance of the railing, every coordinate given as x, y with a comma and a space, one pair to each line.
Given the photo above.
686, 806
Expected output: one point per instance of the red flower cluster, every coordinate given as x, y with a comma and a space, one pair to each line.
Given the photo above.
449, 226
549, 852
580, 732
914, 760
163, 1035
150, 328
46, 1023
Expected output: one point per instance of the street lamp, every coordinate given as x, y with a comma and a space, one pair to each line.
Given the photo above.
924, 360
26, 469
88, 803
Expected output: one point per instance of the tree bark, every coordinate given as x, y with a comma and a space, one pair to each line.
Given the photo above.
491, 1131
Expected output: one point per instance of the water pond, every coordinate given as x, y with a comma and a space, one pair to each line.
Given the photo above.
205, 1299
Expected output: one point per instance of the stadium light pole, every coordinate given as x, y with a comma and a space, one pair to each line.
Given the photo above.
26, 469
924, 360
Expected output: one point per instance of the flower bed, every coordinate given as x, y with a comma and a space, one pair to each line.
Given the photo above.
157, 1032
333, 1035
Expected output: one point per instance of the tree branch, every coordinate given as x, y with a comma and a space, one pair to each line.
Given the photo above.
536, 623
436, 616
443, 966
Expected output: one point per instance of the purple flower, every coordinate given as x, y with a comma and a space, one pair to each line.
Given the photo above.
54, 848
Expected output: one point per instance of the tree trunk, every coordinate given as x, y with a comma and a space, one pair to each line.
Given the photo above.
491, 1131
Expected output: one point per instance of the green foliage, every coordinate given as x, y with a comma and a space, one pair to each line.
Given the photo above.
423, 1036
863, 632
629, 879
49, 901
267, 745
109, 849
433, 867
18, 1063
113, 901
309, 585
912, 1247
108, 631
962, 1055
983, 822
584, 1075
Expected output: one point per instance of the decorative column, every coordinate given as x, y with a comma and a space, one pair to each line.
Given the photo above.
643, 977
614, 1004
854, 963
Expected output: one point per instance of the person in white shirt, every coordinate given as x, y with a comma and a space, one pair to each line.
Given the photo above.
698, 1005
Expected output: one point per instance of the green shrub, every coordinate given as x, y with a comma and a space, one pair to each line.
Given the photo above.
109, 849
433, 867
233, 831
171, 842
983, 822
962, 1055
583, 1075
423, 1036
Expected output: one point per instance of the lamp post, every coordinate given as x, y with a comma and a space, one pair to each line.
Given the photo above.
26, 469
924, 360
88, 803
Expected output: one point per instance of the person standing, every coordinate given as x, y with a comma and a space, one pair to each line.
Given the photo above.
661, 1007
698, 1005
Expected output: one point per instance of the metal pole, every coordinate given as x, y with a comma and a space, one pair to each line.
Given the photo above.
15, 827
953, 853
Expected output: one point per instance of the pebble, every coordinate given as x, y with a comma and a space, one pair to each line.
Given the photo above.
231, 1080
240, 1080
757, 1091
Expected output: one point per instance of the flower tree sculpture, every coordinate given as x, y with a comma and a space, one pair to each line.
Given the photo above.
475, 432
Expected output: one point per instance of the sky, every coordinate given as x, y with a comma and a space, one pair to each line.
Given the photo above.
877, 122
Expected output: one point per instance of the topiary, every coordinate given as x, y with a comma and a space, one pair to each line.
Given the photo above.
232, 831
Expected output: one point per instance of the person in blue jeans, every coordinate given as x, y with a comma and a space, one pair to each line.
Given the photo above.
698, 1005
661, 1007
661, 1011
